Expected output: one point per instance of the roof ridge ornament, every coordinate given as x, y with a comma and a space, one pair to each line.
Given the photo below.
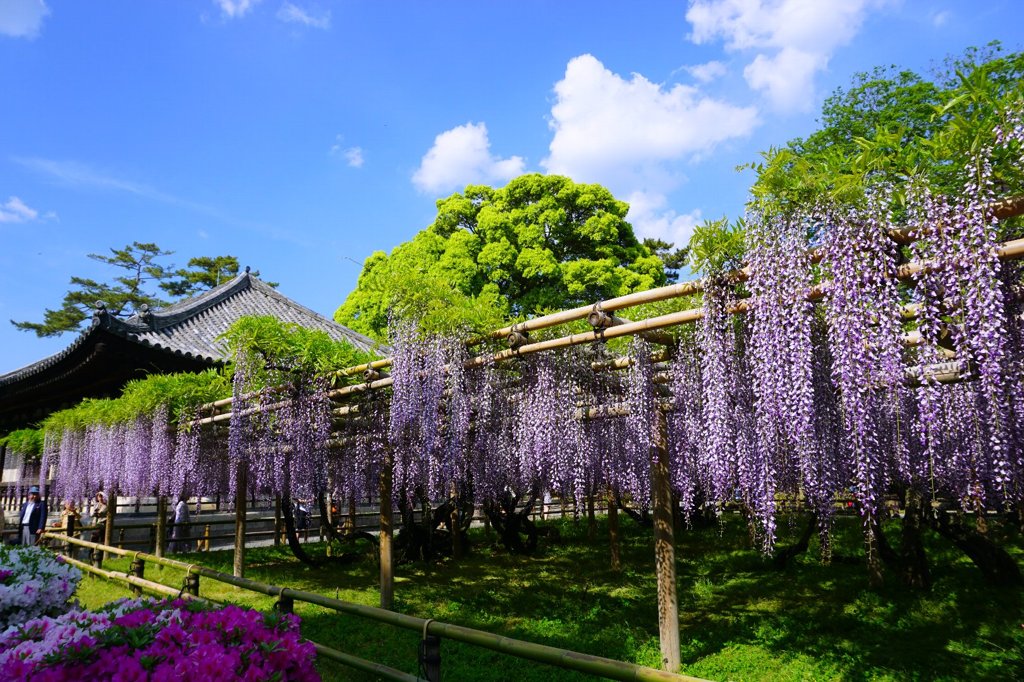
100, 311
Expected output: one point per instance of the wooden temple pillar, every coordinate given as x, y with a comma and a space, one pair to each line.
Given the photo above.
664, 550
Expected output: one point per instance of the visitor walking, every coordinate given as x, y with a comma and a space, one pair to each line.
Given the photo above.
180, 531
99, 516
31, 518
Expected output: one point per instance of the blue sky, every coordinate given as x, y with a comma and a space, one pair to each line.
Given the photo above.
301, 136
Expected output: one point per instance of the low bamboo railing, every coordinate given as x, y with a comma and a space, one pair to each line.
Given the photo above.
286, 597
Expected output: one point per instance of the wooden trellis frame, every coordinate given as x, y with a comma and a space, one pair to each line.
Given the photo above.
607, 326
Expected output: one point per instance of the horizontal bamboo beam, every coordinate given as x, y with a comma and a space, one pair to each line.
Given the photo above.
571, 660
1008, 250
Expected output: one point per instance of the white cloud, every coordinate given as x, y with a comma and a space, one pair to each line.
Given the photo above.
462, 156
293, 14
787, 77
233, 9
16, 211
354, 157
708, 72
940, 19
22, 18
788, 34
650, 217
626, 133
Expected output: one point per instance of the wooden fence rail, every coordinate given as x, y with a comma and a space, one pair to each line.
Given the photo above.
286, 598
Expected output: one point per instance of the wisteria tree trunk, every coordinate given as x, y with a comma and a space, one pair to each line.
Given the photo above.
996, 565
783, 555
913, 559
512, 523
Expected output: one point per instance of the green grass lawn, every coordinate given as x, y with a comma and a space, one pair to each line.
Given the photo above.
740, 618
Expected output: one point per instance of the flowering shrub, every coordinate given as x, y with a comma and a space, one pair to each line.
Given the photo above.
144, 639
33, 583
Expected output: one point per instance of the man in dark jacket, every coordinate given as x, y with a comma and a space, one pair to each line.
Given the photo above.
32, 518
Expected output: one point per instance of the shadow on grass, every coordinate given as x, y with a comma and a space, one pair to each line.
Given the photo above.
740, 618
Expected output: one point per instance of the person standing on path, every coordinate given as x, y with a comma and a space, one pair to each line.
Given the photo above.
99, 515
180, 530
31, 518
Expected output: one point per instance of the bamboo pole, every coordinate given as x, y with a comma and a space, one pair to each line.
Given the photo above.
387, 575
241, 483
108, 527
571, 660
1009, 207
664, 550
161, 526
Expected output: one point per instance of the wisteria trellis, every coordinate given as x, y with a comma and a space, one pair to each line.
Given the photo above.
805, 396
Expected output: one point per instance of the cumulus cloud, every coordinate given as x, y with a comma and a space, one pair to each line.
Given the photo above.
16, 211
22, 18
651, 217
462, 156
794, 39
708, 72
293, 14
234, 9
626, 133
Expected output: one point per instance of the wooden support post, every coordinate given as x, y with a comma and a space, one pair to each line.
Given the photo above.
161, 526
191, 583
205, 542
120, 539
387, 575
277, 520
138, 569
613, 531
241, 482
664, 550
285, 602
352, 514
108, 528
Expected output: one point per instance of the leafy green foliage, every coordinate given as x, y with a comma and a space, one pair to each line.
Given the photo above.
127, 292
287, 346
891, 124
717, 246
141, 398
204, 273
26, 442
539, 243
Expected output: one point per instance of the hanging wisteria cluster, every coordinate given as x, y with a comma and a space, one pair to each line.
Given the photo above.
821, 372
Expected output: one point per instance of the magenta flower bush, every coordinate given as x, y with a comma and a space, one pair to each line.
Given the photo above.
158, 641
33, 583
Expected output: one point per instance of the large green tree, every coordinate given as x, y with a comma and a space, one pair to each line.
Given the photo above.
140, 281
542, 242
894, 124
